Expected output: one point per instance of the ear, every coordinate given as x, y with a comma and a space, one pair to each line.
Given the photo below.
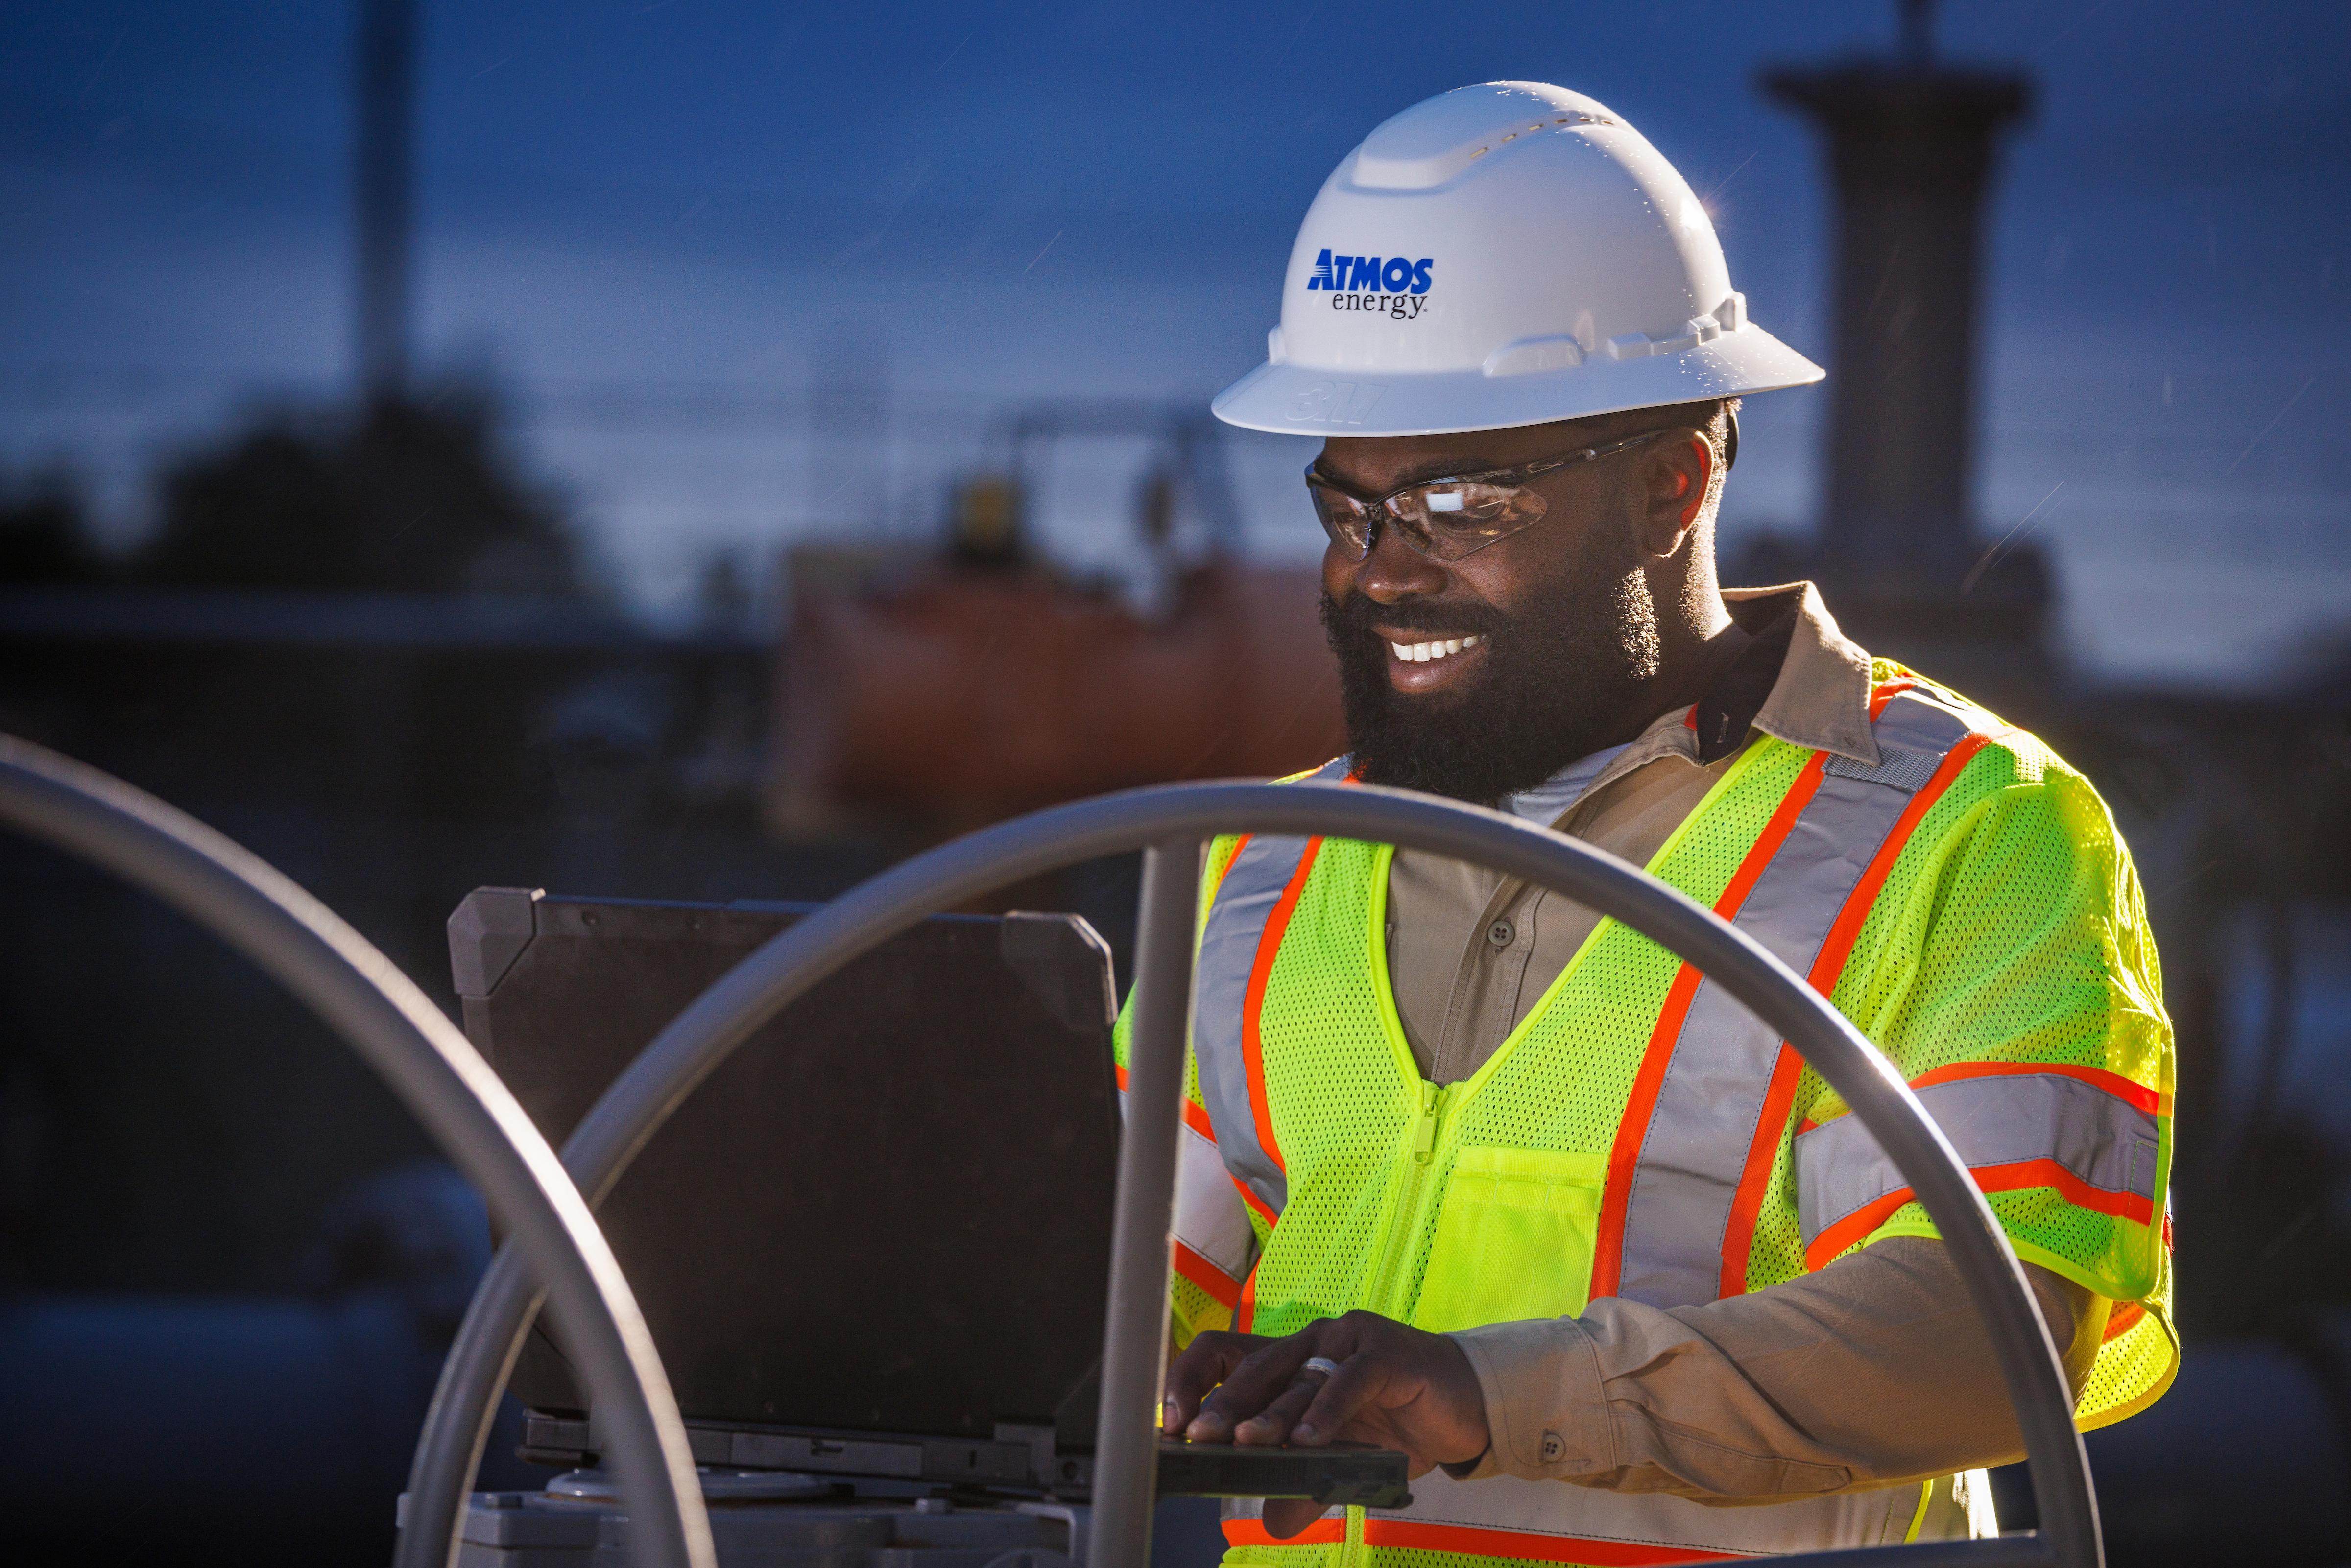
1674, 474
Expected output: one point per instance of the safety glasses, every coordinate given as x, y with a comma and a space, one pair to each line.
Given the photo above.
1449, 517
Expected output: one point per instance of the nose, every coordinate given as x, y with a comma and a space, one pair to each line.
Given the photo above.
1395, 571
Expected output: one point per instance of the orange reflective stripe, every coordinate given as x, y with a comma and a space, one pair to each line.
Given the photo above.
2137, 1207
1524, 1546
1253, 1532
1264, 1210
1624, 1156
1219, 1285
1244, 1315
1410, 1535
1856, 1226
1196, 1115
1253, 1002
2125, 1317
1633, 1130
1746, 1205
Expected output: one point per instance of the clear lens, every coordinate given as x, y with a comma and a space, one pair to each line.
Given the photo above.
1447, 519
1457, 517
1347, 520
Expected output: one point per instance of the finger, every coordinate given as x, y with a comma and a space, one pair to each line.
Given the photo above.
1261, 1379
1273, 1424
1207, 1362
1428, 1404
1339, 1398
1286, 1516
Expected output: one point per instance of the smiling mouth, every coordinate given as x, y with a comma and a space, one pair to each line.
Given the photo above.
1437, 648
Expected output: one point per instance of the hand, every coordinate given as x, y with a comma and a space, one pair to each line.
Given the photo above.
1396, 1388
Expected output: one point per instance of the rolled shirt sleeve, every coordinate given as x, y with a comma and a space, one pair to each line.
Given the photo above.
1871, 1372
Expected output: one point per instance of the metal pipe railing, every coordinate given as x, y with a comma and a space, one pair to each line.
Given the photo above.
1134, 1344
790, 963
360, 993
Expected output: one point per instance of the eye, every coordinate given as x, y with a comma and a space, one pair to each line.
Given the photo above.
1466, 503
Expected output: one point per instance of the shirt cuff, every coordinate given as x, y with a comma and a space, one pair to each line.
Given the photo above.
1544, 1404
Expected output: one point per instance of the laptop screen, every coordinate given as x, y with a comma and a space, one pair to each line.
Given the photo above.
887, 1213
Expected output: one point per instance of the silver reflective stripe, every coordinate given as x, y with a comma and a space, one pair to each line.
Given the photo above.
1915, 722
1209, 1217
1253, 885
1719, 1072
1997, 1119
1550, 1508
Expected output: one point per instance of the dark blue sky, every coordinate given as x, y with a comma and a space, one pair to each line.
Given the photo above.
1018, 201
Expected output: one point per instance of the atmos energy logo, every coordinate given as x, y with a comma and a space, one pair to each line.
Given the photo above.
1394, 285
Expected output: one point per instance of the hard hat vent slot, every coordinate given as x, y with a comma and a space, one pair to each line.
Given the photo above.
1640, 345
1433, 142
1530, 355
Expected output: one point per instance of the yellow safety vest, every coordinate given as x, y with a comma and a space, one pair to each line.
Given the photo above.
1640, 1134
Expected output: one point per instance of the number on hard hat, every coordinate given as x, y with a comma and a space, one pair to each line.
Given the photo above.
1503, 254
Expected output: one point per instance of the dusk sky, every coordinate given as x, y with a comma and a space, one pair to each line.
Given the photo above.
643, 220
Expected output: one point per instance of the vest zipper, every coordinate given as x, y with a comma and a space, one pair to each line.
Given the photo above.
1424, 1142
1407, 1206
1352, 1551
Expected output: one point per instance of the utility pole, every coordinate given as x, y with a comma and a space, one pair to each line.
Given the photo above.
383, 193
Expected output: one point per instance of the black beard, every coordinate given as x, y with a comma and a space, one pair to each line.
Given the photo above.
1551, 691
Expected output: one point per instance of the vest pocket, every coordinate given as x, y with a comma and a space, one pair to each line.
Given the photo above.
1514, 1238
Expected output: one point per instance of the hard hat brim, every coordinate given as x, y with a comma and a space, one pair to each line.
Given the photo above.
1302, 400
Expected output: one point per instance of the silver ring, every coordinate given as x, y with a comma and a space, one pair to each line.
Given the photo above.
1322, 1363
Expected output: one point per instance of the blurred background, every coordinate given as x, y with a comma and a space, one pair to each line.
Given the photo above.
701, 450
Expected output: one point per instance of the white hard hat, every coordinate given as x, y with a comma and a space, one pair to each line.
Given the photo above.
1503, 254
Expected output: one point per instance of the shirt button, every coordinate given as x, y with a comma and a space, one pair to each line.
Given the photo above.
1552, 1448
1501, 934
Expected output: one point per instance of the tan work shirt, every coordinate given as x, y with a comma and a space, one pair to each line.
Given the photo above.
1869, 1373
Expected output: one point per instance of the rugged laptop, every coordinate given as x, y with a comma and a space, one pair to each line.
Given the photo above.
876, 1242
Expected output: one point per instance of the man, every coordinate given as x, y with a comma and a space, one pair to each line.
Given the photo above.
1474, 1175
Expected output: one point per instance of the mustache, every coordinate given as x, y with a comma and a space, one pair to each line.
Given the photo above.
1354, 616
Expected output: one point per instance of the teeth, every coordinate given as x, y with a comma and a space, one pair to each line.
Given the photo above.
1443, 647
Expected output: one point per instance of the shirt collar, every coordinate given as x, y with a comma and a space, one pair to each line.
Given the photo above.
1553, 799
1819, 684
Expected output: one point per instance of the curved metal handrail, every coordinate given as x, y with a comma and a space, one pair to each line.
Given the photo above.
359, 992
1169, 823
